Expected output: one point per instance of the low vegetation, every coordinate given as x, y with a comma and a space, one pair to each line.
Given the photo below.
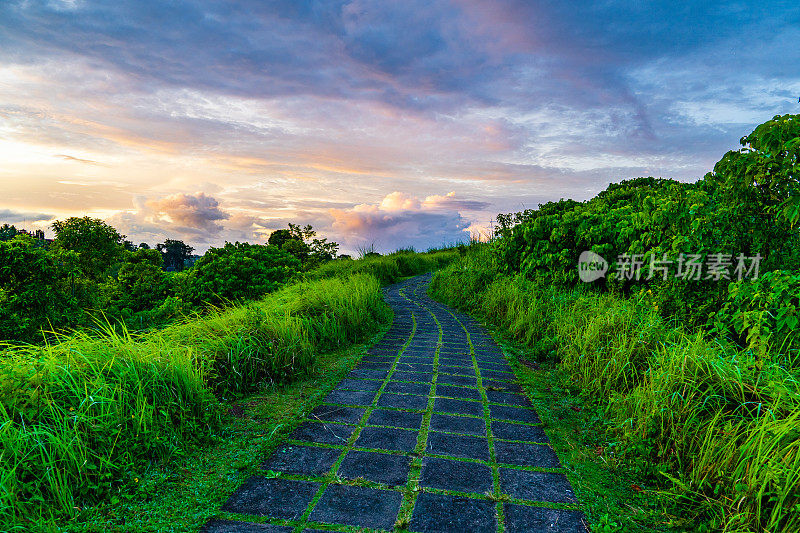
697, 379
82, 416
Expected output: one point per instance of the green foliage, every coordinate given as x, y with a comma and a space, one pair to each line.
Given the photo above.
175, 253
33, 292
387, 269
762, 313
713, 424
746, 206
239, 271
97, 245
81, 418
302, 243
142, 283
7, 232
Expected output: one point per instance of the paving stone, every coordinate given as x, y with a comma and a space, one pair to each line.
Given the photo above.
419, 377
461, 407
502, 386
452, 514
358, 506
376, 358
515, 414
458, 424
388, 349
457, 446
461, 359
415, 367
378, 467
504, 430
399, 419
308, 460
524, 454
374, 366
523, 519
536, 486
387, 439
508, 398
447, 379
350, 397
367, 373
234, 526
495, 367
417, 352
276, 498
500, 376
407, 388
327, 433
335, 413
455, 475
458, 370
360, 385
458, 392
402, 401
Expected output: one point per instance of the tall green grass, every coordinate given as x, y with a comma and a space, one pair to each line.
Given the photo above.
387, 268
715, 425
79, 417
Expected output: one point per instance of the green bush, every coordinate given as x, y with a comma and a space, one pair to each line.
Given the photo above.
239, 271
712, 423
33, 291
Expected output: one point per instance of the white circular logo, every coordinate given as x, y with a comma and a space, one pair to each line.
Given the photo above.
591, 266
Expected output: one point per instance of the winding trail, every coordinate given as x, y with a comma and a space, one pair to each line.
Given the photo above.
428, 432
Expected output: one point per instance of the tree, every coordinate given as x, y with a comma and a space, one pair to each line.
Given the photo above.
33, 294
97, 244
175, 253
144, 284
278, 237
7, 232
240, 271
300, 241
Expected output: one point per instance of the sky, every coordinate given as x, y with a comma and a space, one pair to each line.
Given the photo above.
383, 124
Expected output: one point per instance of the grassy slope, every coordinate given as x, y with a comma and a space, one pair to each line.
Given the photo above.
182, 494
80, 419
713, 426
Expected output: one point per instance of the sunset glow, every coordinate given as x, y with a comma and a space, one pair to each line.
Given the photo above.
388, 123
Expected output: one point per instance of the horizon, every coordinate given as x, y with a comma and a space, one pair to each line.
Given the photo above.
385, 124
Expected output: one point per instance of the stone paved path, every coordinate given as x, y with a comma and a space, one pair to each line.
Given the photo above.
429, 432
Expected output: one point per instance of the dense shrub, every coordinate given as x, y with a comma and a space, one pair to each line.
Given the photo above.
33, 289
239, 271
747, 205
712, 423
698, 378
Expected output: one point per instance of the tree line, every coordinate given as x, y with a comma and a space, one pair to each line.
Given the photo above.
90, 271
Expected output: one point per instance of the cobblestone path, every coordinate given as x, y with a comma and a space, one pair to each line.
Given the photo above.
428, 433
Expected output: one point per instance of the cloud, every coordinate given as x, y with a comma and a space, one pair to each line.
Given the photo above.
196, 218
190, 213
7, 216
400, 220
284, 110
77, 159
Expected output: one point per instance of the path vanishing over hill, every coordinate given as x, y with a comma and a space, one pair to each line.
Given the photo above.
428, 433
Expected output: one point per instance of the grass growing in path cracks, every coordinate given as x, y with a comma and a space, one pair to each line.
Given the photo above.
413, 488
